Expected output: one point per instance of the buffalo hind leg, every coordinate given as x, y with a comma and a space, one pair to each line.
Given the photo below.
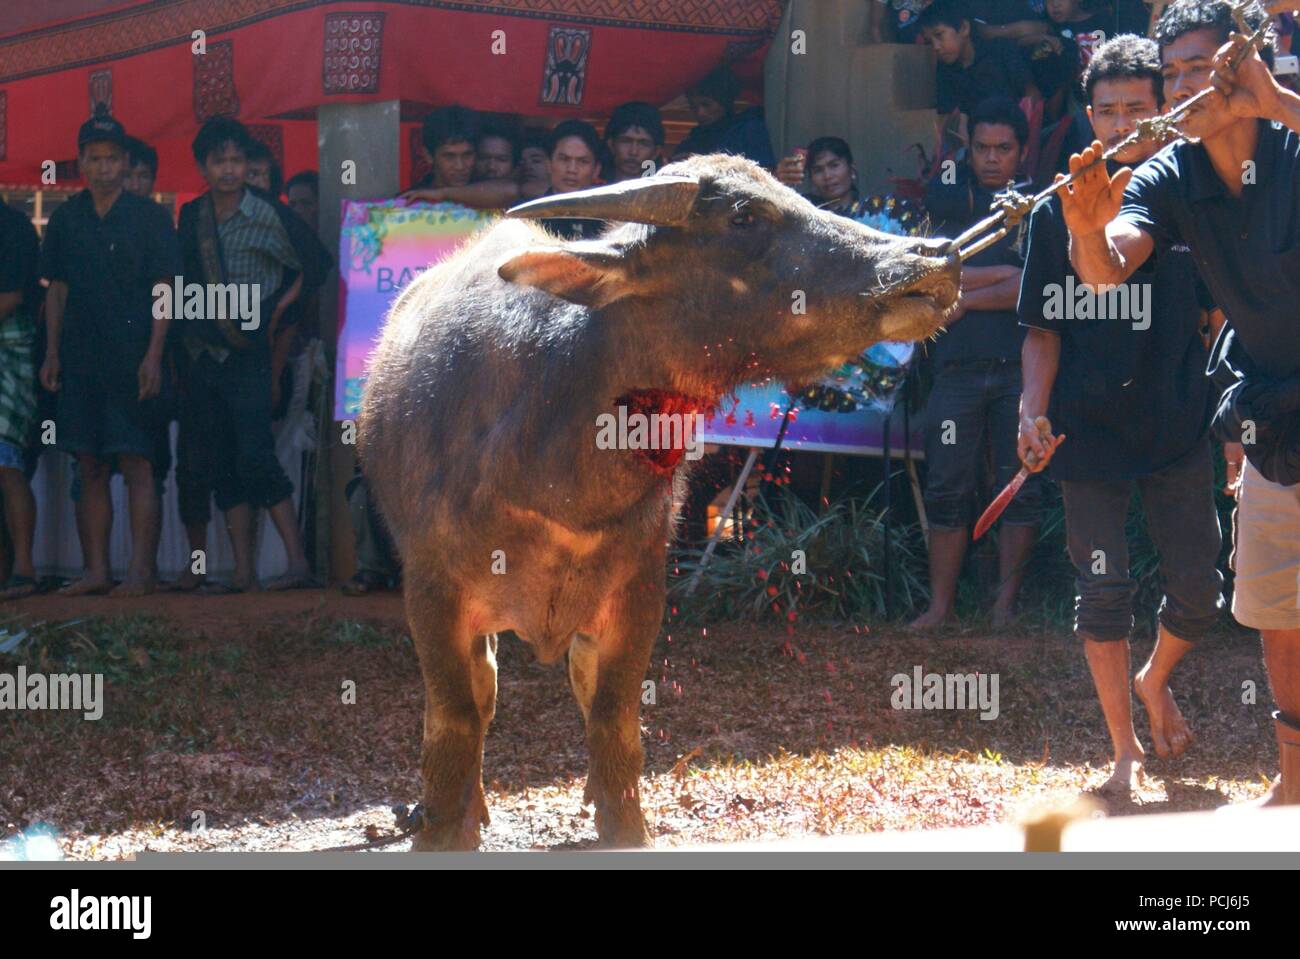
460, 695
614, 716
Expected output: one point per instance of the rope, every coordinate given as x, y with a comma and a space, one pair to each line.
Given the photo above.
409, 820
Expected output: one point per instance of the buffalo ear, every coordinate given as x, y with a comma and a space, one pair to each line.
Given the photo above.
589, 277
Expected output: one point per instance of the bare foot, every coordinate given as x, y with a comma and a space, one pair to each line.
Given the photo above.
1125, 781
90, 585
1169, 731
931, 618
134, 586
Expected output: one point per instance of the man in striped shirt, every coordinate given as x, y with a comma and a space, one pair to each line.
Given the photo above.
239, 254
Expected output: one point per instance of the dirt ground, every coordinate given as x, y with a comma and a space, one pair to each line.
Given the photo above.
230, 711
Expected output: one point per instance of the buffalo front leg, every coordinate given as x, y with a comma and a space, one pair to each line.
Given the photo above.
459, 671
614, 715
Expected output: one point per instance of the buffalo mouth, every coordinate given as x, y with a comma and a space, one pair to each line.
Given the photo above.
920, 308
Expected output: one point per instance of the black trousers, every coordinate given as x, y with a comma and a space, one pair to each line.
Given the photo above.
226, 445
974, 411
1184, 525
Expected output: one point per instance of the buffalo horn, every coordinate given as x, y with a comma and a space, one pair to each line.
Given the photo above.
656, 200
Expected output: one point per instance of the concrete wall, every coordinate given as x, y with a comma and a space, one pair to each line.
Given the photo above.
878, 97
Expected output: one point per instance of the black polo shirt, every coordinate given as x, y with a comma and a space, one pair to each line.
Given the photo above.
572, 228
998, 70
110, 266
978, 334
1130, 401
19, 255
1247, 249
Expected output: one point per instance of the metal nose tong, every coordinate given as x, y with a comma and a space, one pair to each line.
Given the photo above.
1010, 206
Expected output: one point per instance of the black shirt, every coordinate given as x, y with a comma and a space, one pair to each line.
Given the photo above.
1131, 401
572, 228
979, 334
998, 70
1247, 249
110, 266
1087, 35
742, 134
19, 255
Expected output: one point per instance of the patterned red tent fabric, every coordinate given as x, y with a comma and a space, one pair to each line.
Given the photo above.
272, 62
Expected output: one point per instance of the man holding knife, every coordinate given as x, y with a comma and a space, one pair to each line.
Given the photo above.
1123, 375
1233, 198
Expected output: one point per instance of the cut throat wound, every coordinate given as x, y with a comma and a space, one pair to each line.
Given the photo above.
660, 426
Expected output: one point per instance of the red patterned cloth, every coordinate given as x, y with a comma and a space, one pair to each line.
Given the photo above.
273, 62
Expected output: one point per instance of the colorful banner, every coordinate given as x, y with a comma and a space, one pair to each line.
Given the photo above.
753, 418
384, 245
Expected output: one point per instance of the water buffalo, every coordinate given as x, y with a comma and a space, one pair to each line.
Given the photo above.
481, 409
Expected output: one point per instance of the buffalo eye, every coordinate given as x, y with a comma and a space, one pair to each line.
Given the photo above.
742, 219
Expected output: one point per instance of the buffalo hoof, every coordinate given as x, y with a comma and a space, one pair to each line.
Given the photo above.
623, 831
460, 834
455, 839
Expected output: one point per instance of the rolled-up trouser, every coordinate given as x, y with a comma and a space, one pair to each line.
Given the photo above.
974, 405
227, 415
1266, 553
1178, 502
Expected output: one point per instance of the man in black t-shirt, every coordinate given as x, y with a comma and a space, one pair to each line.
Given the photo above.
1232, 196
1122, 375
104, 251
973, 408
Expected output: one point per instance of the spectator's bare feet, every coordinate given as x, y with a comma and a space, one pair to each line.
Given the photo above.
1125, 781
134, 585
89, 585
1169, 731
18, 586
931, 618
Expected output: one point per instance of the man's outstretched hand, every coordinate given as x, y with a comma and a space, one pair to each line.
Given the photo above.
1249, 89
1094, 197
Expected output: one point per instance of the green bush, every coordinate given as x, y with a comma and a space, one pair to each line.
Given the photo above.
843, 559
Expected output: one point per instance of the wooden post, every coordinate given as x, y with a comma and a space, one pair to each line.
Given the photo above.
362, 139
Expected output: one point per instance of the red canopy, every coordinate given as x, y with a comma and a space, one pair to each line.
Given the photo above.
272, 62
